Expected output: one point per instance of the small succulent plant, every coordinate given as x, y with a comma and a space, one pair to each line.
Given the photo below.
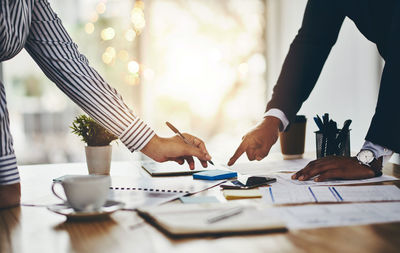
91, 132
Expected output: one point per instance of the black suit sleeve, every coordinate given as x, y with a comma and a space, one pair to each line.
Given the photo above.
385, 126
307, 55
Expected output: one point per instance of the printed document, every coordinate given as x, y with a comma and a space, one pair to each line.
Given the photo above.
334, 215
308, 194
286, 179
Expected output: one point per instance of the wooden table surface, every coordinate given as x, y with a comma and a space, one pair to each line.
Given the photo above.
35, 229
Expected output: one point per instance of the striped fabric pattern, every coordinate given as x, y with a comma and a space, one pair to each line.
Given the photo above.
8, 170
33, 25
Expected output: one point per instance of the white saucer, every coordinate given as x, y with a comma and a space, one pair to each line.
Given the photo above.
108, 208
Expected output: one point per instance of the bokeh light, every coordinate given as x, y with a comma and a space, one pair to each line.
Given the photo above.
108, 33
109, 55
89, 28
133, 67
94, 17
101, 8
137, 18
130, 35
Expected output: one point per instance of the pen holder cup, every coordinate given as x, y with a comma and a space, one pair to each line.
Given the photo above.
327, 147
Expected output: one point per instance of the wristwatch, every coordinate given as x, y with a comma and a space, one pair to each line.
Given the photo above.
367, 157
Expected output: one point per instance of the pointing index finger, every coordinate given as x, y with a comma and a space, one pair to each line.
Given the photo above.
239, 151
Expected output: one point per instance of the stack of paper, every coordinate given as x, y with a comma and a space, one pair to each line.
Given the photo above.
307, 194
317, 216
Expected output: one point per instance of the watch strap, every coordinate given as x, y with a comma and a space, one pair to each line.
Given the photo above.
376, 165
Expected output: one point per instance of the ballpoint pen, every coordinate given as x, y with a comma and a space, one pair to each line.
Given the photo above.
176, 131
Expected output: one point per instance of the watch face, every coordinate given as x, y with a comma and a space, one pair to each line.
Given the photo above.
365, 156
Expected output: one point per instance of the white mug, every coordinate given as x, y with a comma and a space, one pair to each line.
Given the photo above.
85, 193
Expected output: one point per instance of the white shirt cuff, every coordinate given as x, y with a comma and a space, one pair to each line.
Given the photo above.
277, 113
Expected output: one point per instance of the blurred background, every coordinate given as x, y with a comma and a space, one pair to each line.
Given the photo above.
206, 66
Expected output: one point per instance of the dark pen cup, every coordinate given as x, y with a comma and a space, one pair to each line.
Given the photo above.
293, 139
326, 147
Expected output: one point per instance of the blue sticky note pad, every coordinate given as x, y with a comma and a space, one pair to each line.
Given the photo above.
214, 175
199, 199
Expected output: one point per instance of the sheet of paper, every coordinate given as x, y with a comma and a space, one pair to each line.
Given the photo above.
334, 215
285, 179
328, 193
135, 199
199, 199
308, 194
267, 167
368, 193
286, 195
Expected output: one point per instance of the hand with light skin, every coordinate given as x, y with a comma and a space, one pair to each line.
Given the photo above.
334, 167
175, 149
10, 195
258, 141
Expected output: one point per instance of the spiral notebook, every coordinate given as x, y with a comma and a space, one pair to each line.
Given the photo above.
184, 185
141, 192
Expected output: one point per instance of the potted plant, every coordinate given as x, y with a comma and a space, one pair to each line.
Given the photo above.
97, 138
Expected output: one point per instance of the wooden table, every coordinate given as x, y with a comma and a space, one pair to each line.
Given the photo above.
35, 229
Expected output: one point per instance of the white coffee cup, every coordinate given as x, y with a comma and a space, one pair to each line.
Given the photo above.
85, 193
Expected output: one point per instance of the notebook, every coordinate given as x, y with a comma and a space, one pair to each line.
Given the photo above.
178, 220
215, 175
170, 185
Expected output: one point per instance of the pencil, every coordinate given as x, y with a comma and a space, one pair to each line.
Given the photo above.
176, 131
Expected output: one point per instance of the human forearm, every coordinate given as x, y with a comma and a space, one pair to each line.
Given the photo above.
306, 57
59, 58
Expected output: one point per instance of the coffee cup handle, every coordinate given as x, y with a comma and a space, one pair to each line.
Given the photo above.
54, 192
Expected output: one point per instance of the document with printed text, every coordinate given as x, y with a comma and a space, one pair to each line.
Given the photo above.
315, 194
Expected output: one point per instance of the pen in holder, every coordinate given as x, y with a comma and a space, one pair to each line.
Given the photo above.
327, 145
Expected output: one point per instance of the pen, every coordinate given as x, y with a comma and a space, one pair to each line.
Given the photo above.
319, 123
225, 215
341, 139
176, 131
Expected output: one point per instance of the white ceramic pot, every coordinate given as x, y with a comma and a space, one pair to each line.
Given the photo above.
98, 159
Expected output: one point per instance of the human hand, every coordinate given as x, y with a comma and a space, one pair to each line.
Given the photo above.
258, 141
10, 195
334, 167
175, 149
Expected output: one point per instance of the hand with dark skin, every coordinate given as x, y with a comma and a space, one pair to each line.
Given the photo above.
258, 141
334, 167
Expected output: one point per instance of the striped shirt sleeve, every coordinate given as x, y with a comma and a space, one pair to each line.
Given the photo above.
8, 170
57, 55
